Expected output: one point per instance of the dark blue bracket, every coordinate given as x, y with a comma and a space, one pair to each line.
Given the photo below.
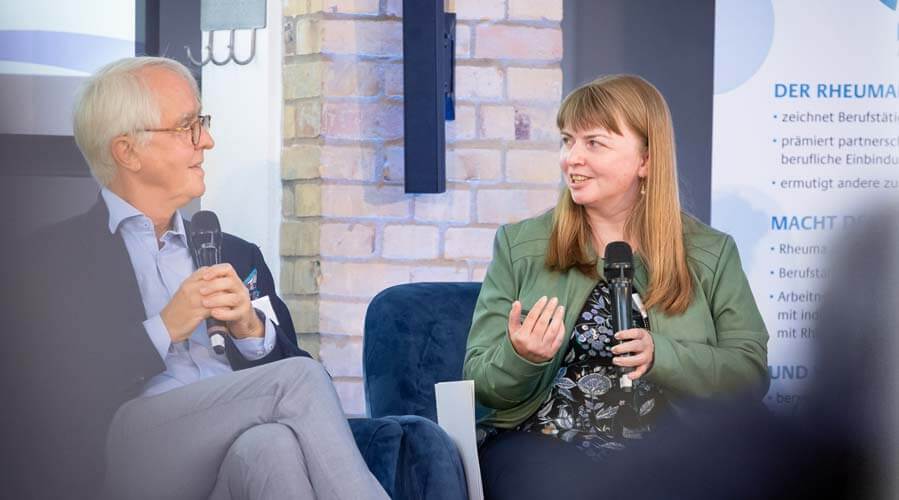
429, 42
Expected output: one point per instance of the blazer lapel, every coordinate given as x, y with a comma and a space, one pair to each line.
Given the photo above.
116, 282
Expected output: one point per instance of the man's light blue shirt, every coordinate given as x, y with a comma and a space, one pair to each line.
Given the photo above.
160, 268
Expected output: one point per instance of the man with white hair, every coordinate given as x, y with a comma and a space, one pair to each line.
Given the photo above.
115, 356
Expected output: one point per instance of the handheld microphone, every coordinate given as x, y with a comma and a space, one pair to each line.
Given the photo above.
205, 239
619, 273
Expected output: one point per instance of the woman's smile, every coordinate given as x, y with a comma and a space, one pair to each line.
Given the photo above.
578, 178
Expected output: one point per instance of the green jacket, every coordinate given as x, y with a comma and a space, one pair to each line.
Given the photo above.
718, 346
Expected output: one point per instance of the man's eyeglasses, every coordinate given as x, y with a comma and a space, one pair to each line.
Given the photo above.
196, 128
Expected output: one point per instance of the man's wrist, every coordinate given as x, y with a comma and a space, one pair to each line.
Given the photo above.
168, 324
256, 328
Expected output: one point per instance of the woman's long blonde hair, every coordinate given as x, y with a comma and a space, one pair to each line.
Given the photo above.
655, 222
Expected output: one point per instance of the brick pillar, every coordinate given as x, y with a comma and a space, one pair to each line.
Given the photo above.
349, 231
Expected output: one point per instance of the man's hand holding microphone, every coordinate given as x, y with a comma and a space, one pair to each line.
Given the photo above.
212, 292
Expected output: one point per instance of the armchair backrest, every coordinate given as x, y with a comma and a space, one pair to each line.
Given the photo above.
415, 336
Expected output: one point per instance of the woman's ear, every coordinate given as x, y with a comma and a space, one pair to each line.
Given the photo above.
643, 170
122, 149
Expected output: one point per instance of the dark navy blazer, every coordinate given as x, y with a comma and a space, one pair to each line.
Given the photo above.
76, 348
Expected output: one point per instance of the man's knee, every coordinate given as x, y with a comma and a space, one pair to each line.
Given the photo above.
260, 455
303, 369
263, 445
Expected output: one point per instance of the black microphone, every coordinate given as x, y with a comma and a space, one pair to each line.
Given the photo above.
205, 240
619, 273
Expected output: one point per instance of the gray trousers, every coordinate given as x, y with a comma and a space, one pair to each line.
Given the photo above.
275, 431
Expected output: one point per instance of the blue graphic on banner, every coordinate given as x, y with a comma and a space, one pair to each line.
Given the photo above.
890, 3
75, 51
744, 223
743, 35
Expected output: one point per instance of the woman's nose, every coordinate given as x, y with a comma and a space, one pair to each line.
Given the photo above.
573, 155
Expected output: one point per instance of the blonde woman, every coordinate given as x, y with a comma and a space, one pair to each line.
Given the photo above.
540, 349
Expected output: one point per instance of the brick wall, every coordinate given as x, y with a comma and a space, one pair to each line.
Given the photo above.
349, 231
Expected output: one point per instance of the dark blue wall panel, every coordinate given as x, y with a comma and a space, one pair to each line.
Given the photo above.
671, 44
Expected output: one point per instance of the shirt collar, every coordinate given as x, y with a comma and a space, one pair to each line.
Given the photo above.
120, 211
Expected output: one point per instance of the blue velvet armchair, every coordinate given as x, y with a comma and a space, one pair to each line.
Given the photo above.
415, 336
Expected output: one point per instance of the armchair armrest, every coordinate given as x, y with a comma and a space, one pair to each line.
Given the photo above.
456, 415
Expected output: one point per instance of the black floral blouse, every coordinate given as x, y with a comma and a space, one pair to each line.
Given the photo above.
587, 406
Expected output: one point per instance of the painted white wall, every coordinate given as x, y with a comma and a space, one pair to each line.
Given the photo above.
243, 180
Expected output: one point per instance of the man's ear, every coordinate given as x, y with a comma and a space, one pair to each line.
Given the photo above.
122, 149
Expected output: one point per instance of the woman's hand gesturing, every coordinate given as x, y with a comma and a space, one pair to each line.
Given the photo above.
543, 330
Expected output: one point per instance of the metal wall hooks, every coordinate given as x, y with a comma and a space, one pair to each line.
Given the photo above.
229, 15
208, 58
252, 49
232, 56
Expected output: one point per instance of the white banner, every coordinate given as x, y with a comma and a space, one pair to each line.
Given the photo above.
806, 129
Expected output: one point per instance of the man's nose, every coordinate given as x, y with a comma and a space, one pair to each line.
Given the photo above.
206, 140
